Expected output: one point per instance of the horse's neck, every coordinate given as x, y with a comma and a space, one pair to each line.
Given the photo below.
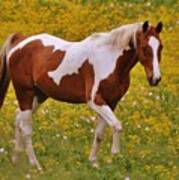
126, 63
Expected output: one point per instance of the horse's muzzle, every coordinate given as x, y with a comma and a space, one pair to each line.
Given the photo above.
154, 82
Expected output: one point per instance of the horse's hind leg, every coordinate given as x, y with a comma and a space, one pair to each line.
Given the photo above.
23, 124
27, 133
19, 144
23, 137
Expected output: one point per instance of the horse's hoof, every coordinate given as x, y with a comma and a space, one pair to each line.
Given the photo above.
93, 161
95, 165
36, 164
14, 159
40, 169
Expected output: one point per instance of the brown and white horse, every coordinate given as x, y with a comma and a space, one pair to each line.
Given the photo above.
95, 71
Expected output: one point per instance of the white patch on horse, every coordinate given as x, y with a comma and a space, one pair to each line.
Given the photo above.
105, 112
154, 43
46, 39
102, 58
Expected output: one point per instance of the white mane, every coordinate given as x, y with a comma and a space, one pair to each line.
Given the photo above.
119, 37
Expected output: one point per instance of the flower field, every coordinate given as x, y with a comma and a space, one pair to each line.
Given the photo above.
63, 133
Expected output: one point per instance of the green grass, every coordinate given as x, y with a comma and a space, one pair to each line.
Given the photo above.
63, 133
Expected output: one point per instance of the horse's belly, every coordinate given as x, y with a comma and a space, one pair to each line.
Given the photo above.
71, 88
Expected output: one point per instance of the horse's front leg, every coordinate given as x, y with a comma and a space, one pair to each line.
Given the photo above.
116, 136
101, 124
107, 114
115, 142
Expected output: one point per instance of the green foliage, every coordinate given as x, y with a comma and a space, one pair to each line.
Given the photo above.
63, 132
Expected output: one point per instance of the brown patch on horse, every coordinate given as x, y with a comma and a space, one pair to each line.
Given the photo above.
99, 100
11, 41
145, 58
17, 37
87, 72
152, 32
21, 66
115, 86
78, 85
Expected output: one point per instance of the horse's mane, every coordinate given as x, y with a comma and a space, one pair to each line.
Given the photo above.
119, 37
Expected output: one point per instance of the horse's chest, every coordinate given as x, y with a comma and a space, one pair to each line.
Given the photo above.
112, 89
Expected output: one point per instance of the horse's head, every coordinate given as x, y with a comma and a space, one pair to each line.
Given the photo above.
149, 49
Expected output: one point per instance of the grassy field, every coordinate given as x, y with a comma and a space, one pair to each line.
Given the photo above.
63, 133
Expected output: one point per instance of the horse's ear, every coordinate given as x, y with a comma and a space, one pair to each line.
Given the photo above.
159, 27
145, 26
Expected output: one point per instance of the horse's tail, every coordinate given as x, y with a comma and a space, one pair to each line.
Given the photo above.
4, 74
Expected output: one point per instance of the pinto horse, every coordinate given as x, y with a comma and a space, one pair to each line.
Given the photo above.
95, 71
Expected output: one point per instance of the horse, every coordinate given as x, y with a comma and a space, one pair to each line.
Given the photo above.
95, 71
